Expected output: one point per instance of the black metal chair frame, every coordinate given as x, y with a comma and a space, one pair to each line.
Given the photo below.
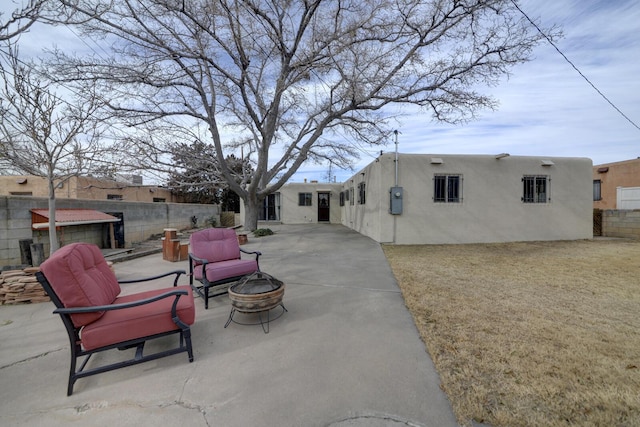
74, 333
219, 287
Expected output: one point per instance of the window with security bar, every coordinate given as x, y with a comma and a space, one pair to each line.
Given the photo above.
535, 189
361, 193
447, 188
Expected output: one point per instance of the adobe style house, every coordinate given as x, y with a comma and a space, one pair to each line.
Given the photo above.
436, 199
84, 187
617, 185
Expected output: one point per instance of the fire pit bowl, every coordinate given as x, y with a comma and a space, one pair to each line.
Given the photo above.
256, 293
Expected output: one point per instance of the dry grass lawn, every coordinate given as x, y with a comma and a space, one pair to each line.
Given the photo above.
530, 334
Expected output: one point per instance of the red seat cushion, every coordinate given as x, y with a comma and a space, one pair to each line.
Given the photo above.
149, 319
226, 269
80, 276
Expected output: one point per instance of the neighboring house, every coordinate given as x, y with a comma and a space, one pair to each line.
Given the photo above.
131, 190
435, 199
615, 185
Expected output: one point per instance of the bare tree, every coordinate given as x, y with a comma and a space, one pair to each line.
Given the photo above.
21, 19
40, 133
292, 81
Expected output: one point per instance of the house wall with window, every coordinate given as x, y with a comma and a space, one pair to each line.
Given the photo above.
608, 177
300, 202
472, 199
85, 188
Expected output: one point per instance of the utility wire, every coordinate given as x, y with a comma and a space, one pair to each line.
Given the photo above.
573, 65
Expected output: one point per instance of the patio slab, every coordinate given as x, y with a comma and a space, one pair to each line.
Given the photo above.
345, 354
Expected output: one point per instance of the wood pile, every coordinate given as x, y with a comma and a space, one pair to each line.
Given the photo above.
21, 286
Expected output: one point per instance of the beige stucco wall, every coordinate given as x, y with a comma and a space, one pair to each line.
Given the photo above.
618, 174
491, 209
291, 213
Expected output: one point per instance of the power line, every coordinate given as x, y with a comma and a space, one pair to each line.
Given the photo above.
573, 65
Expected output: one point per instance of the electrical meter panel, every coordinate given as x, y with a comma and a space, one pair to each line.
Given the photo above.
395, 200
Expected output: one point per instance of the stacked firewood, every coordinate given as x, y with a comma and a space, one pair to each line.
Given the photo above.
21, 286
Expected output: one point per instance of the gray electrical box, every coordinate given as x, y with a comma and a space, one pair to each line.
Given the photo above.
395, 200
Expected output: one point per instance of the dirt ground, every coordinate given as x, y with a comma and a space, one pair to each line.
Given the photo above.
530, 334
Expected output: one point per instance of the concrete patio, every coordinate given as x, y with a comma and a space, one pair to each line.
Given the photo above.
345, 354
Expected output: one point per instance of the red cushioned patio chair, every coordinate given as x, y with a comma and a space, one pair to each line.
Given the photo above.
215, 261
86, 293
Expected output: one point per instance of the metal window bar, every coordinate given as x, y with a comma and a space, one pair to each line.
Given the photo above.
453, 189
541, 189
535, 189
439, 188
447, 188
361, 193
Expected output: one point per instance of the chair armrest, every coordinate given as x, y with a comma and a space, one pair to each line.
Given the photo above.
146, 279
256, 253
91, 309
197, 260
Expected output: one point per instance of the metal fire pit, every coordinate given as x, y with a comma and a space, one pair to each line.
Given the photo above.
256, 293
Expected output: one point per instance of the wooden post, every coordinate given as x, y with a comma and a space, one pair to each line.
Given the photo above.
184, 251
170, 245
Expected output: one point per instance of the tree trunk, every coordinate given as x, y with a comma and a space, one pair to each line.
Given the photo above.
53, 234
251, 209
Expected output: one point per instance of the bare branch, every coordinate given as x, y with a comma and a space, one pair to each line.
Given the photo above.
20, 20
286, 82
40, 133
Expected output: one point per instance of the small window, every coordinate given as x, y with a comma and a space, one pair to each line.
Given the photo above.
304, 199
342, 193
159, 200
597, 189
447, 188
535, 189
361, 193
114, 196
352, 199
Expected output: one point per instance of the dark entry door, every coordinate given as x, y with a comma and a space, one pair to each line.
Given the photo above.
323, 207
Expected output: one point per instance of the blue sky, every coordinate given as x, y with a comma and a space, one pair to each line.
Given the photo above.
545, 106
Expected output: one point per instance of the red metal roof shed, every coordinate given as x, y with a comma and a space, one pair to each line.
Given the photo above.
66, 217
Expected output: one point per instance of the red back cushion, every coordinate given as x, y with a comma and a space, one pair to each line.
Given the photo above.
80, 276
215, 244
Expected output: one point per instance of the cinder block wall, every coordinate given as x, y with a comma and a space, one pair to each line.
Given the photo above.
621, 223
141, 221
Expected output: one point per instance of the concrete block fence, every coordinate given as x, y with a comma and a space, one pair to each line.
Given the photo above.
141, 221
621, 223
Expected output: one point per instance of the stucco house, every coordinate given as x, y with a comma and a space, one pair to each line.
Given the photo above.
436, 199
617, 185
128, 189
